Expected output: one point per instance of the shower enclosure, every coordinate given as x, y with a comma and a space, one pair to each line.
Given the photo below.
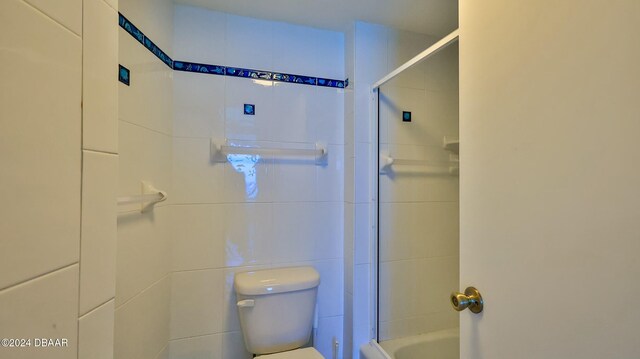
418, 205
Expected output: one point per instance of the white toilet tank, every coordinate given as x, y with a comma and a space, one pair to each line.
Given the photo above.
276, 307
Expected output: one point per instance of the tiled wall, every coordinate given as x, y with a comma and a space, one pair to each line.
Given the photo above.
375, 51
228, 217
57, 255
143, 286
418, 218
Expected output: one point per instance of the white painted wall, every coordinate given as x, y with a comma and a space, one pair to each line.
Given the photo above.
549, 178
143, 285
57, 253
221, 226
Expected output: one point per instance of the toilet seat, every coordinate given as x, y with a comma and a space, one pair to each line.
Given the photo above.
304, 353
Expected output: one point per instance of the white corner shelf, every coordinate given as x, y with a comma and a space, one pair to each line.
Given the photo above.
451, 144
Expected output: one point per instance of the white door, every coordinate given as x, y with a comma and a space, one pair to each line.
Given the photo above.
550, 177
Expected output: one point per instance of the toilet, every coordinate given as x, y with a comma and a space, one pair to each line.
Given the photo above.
277, 309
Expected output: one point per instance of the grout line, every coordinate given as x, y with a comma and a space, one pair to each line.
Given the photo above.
143, 291
161, 350
146, 128
100, 152
82, 172
26, 281
51, 18
97, 307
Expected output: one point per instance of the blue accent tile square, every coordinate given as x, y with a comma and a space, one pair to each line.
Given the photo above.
406, 116
124, 75
249, 109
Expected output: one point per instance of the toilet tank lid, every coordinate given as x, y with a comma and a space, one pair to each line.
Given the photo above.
279, 280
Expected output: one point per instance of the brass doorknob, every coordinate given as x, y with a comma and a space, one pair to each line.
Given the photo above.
470, 299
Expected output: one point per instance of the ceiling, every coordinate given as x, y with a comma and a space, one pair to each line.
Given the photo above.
432, 17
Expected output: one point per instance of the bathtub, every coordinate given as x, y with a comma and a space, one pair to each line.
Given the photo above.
443, 344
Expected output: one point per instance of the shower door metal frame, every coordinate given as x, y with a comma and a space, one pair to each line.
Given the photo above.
374, 111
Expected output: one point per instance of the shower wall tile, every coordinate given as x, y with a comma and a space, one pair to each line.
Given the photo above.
95, 333
198, 105
40, 149
52, 300
402, 46
141, 329
66, 12
99, 229
199, 35
249, 42
99, 84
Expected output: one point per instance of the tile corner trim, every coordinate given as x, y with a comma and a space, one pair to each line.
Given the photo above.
209, 69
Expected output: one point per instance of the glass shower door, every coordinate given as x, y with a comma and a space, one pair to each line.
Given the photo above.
418, 209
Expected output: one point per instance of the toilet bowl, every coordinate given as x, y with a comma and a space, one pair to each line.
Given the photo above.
276, 309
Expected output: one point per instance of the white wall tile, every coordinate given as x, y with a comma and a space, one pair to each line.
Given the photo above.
148, 101
307, 231
145, 155
66, 12
328, 329
362, 235
195, 178
198, 237
302, 173
330, 298
327, 115
330, 176
112, 3
362, 174
142, 324
248, 178
293, 119
308, 51
99, 229
233, 346
196, 303
45, 307
249, 43
40, 148
198, 105
143, 255
204, 347
362, 305
95, 334
154, 18
199, 35
99, 82
402, 46
370, 53
240, 91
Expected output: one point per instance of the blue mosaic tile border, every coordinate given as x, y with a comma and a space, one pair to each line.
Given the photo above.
129, 27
